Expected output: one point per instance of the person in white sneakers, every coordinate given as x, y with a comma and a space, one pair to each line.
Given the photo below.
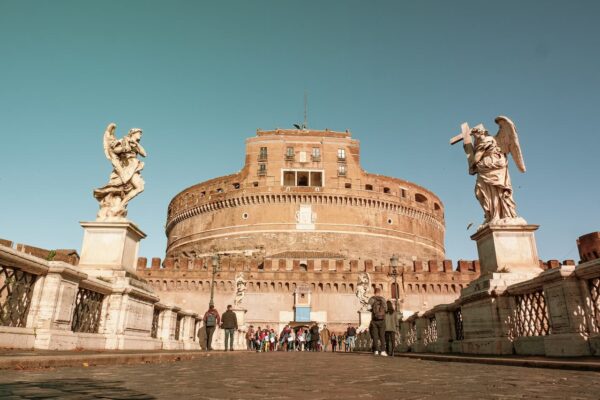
378, 308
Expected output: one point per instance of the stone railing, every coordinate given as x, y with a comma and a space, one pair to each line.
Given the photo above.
53, 305
556, 313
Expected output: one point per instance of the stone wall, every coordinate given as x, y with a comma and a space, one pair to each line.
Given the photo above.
271, 284
354, 213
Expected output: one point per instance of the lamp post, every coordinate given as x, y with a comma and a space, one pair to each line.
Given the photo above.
215, 269
394, 274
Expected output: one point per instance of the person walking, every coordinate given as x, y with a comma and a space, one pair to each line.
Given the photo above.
350, 338
250, 338
325, 337
314, 337
334, 342
377, 327
391, 325
211, 320
230, 325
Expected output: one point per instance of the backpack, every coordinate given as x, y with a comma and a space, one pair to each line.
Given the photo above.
378, 309
211, 320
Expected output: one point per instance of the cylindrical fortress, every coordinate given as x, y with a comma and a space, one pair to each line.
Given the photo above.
305, 191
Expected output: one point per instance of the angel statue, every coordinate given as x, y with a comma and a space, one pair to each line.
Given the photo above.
487, 157
364, 282
240, 289
126, 180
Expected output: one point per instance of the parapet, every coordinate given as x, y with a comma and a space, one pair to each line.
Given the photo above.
68, 256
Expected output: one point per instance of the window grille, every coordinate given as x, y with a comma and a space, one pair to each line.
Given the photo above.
458, 324
262, 155
16, 289
532, 315
155, 319
430, 334
594, 286
88, 310
342, 170
411, 335
289, 153
316, 154
262, 169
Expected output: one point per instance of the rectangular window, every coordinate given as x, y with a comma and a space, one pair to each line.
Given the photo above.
302, 178
262, 155
289, 178
316, 154
289, 153
262, 169
316, 179
341, 154
342, 169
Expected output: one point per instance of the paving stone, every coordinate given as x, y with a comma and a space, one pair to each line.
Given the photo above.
300, 375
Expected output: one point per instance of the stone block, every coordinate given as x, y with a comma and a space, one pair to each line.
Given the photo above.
507, 248
530, 346
110, 246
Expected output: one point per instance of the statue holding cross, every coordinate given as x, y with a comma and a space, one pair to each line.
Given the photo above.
487, 157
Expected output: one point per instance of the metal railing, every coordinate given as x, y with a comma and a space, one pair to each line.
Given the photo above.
155, 319
532, 315
431, 334
459, 331
16, 289
87, 312
594, 287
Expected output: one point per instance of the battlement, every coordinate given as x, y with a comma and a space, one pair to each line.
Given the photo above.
69, 256
305, 262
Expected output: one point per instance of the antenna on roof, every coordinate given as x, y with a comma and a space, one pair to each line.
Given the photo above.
305, 124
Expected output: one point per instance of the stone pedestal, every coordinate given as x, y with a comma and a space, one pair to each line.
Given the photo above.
109, 247
240, 314
507, 248
364, 320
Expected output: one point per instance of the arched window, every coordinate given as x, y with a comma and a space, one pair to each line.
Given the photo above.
395, 292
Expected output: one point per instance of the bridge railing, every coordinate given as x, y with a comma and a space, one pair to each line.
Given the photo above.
53, 305
557, 313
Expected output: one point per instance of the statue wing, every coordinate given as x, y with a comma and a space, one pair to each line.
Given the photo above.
508, 140
108, 140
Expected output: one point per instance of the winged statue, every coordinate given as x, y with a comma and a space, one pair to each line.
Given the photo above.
240, 289
362, 288
125, 181
488, 159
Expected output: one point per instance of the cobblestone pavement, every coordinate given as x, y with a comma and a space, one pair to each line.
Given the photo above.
243, 375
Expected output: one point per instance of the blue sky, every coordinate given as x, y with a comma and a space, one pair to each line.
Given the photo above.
200, 76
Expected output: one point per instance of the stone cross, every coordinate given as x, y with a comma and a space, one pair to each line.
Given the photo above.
465, 134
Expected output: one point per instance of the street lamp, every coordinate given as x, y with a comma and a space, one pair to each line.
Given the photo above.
215, 269
394, 274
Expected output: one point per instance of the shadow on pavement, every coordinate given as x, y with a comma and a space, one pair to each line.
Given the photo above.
70, 389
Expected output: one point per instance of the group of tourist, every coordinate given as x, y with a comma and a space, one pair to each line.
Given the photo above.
383, 328
301, 338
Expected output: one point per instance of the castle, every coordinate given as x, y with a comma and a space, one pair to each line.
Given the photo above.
302, 215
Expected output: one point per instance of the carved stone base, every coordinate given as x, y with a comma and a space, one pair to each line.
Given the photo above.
110, 246
507, 248
240, 313
364, 319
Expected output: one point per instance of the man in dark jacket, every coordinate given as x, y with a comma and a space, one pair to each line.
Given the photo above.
211, 320
377, 327
230, 325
